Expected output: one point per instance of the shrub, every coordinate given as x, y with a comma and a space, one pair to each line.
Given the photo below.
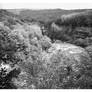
89, 49
45, 42
7, 73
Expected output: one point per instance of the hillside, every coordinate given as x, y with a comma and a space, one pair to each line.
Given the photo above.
58, 56
9, 19
75, 28
45, 15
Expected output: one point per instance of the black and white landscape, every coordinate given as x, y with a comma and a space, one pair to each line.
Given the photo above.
45, 49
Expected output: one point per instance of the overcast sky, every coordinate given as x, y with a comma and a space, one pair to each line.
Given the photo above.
46, 4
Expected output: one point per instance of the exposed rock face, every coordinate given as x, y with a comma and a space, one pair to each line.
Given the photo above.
69, 65
73, 53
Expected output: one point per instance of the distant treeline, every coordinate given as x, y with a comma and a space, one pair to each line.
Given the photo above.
76, 19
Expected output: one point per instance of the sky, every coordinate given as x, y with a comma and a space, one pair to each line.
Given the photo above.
46, 4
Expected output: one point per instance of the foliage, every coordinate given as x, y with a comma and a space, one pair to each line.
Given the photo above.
29, 59
45, 42
89, 49
76, 19
80, 36
6, 75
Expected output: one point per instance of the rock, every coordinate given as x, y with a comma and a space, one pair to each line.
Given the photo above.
67, 51
67, 64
